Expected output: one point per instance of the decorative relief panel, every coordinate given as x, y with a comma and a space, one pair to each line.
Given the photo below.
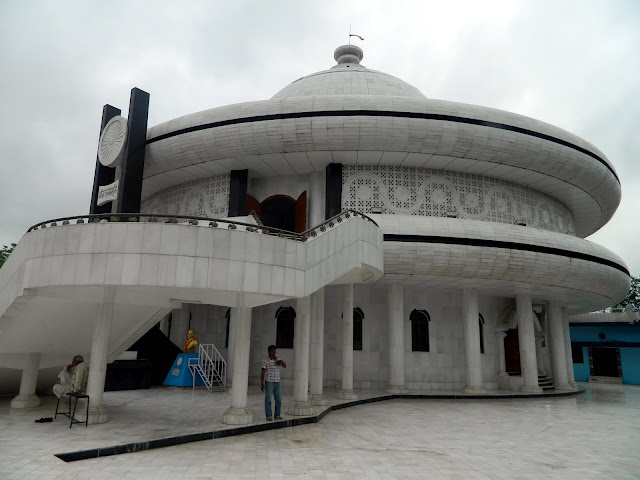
208, 197
435, 193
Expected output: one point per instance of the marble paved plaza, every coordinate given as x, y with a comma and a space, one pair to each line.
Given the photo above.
593, 435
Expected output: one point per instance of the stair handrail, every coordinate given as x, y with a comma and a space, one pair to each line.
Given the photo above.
212, 363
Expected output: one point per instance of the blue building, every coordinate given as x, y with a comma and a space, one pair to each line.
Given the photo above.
606, 347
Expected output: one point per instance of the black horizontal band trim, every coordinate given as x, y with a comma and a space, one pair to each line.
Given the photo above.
383, 113
478, 242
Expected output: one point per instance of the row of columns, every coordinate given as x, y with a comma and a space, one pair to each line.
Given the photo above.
309, 351
562, 364
308, 358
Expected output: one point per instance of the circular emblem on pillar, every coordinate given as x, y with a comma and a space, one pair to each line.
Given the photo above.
111, 144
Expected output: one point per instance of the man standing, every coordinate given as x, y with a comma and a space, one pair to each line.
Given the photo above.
73, 379
271, 365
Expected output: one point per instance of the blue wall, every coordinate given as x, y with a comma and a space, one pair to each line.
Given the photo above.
630, 363
581, 370
614, 335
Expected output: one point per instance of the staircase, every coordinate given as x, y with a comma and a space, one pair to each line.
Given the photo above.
43, 304
210, 366
546, 383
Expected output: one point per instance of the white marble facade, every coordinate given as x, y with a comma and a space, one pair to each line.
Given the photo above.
441, 368
515, 186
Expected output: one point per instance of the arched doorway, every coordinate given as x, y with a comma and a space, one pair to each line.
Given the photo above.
281, 211
512, 352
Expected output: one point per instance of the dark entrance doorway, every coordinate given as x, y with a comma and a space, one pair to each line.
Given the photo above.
281, 211
512, 352
604, 362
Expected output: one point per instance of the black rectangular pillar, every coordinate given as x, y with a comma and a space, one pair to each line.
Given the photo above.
103, 175
132, 168
333, 203
238, 193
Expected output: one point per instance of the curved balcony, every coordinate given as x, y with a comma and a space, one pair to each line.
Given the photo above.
501, 260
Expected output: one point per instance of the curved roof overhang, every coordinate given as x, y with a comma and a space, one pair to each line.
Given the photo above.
501, 260
300, 135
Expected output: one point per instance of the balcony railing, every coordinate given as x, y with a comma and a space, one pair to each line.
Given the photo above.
211, 222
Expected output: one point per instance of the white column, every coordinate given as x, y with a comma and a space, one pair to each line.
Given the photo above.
99, 355
301, 404
527, 342
237, 413
317, 348
567, 347
27, 397
347, 392
559, 363
472, 356
316, 198
500, 336
231, 344
395, 304
540, 352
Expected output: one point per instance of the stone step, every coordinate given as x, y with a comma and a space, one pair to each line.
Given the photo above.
545, 382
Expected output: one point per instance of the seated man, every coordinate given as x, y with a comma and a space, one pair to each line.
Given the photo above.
73, 379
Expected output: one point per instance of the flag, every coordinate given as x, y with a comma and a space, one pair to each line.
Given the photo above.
354, 35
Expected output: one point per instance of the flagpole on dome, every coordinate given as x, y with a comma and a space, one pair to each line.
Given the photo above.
353, 35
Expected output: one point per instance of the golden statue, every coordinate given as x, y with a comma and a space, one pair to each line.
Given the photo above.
191, 344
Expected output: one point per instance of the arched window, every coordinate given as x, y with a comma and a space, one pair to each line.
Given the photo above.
228, 317
480, 329
358, 316
419, 330
284, 328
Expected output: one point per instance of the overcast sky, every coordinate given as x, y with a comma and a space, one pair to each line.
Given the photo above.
574, 64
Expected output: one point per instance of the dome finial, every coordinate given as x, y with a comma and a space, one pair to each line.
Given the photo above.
348, 54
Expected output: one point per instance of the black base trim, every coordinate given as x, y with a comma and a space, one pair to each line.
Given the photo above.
294, 422
478, 242
384, 113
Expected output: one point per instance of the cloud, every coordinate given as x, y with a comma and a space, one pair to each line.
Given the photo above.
571, 64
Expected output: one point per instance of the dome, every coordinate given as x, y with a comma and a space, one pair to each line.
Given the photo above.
348, 77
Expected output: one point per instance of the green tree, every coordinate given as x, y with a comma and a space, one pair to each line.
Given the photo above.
5, 252
632, 300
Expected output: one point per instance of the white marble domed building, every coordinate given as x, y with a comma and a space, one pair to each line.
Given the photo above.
462, 280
